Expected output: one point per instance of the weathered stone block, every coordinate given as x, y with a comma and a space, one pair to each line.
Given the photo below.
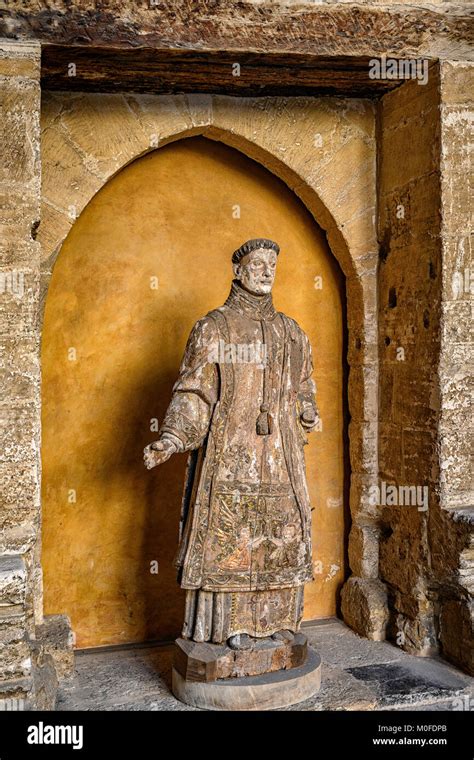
457, 82
364, 550
361, 501
57, 639
363, 447
19, 213
19, 303
15, 659
362, 392
364, 607
404, 548
12, 580
21, 421
19, 103
456, 632
19, 366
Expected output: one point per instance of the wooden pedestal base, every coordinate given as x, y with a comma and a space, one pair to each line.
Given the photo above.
269, 676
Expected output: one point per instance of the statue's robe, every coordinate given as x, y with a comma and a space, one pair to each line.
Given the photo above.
245, 534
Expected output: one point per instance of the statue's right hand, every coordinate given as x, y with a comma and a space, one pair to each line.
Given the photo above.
157, 453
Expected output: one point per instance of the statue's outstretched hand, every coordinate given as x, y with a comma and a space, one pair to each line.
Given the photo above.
309, 416
158, 452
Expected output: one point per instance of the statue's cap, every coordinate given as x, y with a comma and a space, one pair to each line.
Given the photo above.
253, 245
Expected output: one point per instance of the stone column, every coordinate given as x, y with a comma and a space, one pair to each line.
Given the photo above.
27, 673
364, 595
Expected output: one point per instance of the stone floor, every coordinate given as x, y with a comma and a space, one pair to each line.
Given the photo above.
357, 674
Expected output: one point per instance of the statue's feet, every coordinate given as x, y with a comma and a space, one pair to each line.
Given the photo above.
240, 641
283, 635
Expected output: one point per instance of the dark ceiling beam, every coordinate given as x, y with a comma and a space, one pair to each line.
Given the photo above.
174, 71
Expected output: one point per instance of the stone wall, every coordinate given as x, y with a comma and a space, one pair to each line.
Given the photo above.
451, 528
423, 337
27, 673
20, 578
409, 323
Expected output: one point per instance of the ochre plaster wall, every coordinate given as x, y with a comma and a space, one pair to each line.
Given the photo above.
172, 216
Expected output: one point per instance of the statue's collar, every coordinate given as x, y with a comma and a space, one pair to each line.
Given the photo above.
255, 307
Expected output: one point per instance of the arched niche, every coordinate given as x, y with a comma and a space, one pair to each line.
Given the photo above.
148, 256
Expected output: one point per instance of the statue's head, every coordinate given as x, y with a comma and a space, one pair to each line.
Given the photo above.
289, 532
255, 265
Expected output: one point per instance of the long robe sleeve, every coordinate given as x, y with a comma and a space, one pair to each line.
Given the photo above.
196, 390
307, 387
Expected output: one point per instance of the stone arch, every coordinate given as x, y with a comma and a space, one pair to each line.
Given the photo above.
324, 150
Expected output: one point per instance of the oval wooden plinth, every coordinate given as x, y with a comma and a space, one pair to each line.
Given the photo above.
270, 691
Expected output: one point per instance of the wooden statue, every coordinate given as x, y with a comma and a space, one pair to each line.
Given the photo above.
242, 406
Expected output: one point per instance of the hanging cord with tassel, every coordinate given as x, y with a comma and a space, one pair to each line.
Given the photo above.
265, 419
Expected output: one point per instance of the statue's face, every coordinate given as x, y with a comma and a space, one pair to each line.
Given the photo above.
256, 271
244, 536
